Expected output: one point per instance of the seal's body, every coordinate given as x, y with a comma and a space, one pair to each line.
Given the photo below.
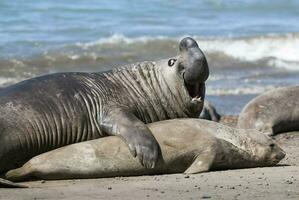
187, 145
47, 112
272, 112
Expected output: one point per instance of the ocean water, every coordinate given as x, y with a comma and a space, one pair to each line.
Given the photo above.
251, 45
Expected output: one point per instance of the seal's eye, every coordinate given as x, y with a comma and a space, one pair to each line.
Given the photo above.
171, 62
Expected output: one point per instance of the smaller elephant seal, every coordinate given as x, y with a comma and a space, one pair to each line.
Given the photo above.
209, 112
187, 145
272, 112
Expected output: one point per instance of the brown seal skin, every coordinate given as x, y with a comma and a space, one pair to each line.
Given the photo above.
51, 111
187, 145
272, 112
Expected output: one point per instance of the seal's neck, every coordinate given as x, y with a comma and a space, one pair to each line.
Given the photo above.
150, 96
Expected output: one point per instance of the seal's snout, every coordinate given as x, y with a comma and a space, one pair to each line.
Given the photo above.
188, 43
280, 155
196, 70
277, 154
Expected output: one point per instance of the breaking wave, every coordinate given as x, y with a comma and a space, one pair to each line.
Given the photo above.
278, 51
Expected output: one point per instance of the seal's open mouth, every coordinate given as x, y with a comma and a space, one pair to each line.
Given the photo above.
195, 91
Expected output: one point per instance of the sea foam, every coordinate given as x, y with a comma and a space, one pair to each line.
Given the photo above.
279, 50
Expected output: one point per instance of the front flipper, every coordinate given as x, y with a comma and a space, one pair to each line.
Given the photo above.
141, 142
202, 163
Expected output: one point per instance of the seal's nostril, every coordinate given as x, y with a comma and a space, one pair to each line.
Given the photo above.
272, 145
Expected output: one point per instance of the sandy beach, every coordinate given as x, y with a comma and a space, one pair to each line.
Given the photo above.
279, 182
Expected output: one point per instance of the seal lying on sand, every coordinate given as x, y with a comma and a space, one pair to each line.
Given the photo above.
187, 145
272, 112
51, 111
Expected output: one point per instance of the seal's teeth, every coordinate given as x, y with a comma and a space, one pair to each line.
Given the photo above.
198, 99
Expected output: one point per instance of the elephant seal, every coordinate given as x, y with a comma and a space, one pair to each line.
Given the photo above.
272, 112
187, 145
51, 111
209, 112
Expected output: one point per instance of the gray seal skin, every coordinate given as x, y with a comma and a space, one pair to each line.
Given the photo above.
272, 112
51, 111
187, 145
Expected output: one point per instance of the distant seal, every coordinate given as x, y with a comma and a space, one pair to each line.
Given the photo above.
272, 112
47, 112
187, 145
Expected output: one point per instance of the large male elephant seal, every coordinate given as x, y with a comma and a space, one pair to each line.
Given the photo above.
272, 112
187, 145
47, 112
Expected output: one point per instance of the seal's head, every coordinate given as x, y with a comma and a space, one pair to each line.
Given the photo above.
187, 74
266, 149
261, 148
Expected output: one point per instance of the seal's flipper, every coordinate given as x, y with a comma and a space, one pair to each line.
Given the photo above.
20, 174
121, 122
9, 184
202, 163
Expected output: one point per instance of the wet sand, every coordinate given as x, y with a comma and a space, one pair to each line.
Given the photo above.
280, 182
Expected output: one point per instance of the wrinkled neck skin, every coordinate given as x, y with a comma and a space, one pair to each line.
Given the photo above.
174, 80
151, 90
